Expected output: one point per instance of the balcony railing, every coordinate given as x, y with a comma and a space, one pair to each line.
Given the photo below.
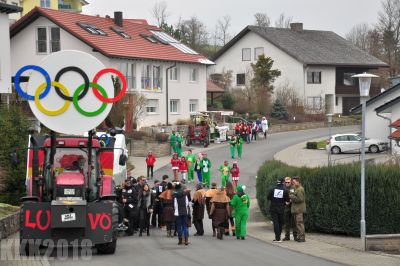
342, 89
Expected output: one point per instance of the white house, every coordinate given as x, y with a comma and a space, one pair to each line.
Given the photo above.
5, 61
313, 63
140, 51
383, 116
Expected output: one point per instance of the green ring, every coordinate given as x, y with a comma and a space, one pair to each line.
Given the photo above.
83, 112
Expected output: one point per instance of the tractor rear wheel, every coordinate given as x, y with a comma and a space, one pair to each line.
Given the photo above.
110, 247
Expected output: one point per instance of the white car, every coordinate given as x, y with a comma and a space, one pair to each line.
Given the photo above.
352, 143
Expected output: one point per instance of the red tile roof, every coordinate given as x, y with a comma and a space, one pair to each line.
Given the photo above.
395, 135
112, 45
212, 87
395, 124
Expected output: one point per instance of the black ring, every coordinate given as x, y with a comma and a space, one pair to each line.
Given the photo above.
77, 70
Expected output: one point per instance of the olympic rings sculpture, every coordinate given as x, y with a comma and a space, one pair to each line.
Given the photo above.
44, 88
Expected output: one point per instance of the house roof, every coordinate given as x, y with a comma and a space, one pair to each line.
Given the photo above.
395, 124
311, 47
357, 109
112, 45
395, 135
8, 9
212, 87
387, 105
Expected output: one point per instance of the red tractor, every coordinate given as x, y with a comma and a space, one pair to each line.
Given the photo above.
199, 132
70, 201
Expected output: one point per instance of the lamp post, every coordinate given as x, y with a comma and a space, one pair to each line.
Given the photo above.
329, 117
364, 84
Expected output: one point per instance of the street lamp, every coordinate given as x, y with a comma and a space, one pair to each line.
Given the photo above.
329, 117
364, 81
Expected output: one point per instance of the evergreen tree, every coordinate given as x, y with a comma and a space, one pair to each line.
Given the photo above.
279, 111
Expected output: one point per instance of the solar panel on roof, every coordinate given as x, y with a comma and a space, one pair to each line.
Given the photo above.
183, 48
164, 37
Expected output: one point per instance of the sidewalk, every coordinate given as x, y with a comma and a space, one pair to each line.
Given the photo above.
341, 249
298, 155
140, 164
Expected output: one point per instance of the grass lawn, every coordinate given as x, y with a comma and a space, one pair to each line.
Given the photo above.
6, 210
321, 145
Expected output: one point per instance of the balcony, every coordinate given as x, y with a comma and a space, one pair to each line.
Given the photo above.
68, 7
342, 89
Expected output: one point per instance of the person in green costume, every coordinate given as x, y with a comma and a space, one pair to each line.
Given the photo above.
172, 141
232, 146
239, 145
179, 145
225, 169
205, 165
191, 160
240, 203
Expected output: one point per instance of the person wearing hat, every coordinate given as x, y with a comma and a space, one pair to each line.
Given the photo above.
167, 204
175, 162
197, 167
198, 209
179, 141
264, 126
130, 202
239, 146
191, 160
240, 203
209, 195
232, 146
298, 199
225, 169
219, 211
278, 196
181, 212
235, 171
288, 218
172, 141
205, 165
150, 160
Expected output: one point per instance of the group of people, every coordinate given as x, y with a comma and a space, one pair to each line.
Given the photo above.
249, 131
171, 205
175, 140
288, 204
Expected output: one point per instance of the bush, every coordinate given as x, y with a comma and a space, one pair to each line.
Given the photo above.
162, 137
333, 196
279, 111
183, 122
14, 129
312, 145
138, 135
227, 100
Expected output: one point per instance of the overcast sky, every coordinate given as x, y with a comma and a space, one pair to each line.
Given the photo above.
335, 15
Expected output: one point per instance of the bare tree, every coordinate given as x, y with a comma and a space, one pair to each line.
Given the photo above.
262, 20
223, 25
194, 33
160, 13
283, 21
359, 36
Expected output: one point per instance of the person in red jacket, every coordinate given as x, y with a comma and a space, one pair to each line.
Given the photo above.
175, 161
183, 168
235, 171
150, 160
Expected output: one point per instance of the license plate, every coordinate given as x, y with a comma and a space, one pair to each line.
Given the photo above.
68, 217
69, 191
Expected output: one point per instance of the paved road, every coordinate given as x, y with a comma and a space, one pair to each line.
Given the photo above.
159, 250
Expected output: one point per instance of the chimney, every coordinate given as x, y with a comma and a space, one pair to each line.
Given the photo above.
118, 18
296, 26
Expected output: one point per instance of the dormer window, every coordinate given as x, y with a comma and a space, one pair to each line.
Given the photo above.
92, 29
121, 32
150, 38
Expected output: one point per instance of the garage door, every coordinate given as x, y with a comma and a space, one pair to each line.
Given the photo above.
348, 103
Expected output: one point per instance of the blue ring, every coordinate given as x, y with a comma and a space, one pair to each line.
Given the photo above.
41, 71
107, 139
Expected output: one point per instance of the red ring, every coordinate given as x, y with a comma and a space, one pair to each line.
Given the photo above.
122, 92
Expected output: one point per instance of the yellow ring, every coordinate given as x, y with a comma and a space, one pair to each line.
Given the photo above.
46, 111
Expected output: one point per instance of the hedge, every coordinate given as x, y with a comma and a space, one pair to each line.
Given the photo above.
333, 196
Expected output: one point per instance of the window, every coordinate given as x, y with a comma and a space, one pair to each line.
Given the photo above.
55, 39
341, 138
257, 52
152, 106
193, 106
174, 106
314, 103
314, 77
174, 74
45, 3
129, 70
246, 54
336, 101
41, 40
146, 79
193, 75
353, 138
240, 79
157, 78
348, 80
92, 29
120, 32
